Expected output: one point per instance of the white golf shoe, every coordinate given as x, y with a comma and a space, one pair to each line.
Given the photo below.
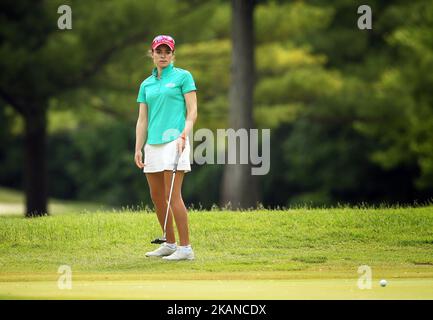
181, 254
162, 251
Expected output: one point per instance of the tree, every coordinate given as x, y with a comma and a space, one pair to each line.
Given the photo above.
239, 187
404, 97
40, 62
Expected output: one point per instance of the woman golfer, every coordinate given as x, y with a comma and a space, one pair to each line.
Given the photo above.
168, 110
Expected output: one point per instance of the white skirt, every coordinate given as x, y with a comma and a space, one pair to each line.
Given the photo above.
160, 157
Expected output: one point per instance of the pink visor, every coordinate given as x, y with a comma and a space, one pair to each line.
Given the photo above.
158, 40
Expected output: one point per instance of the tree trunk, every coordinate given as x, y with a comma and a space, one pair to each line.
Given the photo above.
35, 162
239, 186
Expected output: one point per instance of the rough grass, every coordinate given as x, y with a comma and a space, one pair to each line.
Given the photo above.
305, 241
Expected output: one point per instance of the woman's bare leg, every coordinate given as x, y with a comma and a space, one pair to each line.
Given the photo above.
177, 205
157, 193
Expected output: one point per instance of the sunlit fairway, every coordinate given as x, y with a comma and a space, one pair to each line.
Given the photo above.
219, 289
293, 254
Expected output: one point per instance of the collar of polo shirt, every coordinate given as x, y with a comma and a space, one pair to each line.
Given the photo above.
165, 70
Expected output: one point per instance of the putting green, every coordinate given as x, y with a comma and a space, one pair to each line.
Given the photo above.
218, 289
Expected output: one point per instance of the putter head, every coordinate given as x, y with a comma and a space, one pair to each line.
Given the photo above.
159, 240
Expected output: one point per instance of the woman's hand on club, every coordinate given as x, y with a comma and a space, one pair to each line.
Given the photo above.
139, 159
180, 145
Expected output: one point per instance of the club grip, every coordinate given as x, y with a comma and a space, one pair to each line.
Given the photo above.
176, 161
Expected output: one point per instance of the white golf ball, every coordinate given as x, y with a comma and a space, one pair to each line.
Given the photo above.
383, 283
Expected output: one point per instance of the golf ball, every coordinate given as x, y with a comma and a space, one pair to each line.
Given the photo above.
383, 283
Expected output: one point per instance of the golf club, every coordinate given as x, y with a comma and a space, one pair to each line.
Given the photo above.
163, 238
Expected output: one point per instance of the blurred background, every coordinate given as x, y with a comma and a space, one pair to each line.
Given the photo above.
350, 110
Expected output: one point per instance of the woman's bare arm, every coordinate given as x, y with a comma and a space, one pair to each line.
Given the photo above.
191, 117
140, 135
191, 106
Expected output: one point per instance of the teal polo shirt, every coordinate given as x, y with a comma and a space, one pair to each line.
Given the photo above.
166, 108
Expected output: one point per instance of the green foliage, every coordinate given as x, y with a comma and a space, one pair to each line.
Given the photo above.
102, 166
296, 21
350, 110
10, 156
404, 100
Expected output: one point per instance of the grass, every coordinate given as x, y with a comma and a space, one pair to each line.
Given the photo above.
221, 289
259, 246
10, 196
12, 203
